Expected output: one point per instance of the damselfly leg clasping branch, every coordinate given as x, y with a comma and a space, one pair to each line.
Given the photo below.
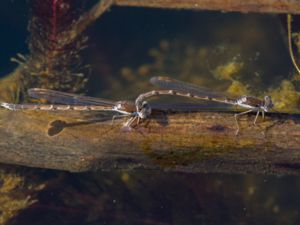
179, 88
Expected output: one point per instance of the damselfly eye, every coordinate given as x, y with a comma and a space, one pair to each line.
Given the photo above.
145, 104
268, 102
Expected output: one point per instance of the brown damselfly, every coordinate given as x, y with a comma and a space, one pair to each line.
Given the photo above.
72, 102
180, 88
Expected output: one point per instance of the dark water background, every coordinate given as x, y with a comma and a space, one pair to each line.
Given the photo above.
122, 55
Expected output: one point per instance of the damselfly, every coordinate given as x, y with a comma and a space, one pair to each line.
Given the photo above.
179, 88
73, 102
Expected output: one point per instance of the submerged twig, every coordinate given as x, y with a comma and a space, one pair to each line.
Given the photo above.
262, 6
190, 142
89, 17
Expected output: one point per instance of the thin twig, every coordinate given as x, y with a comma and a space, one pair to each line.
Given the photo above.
289, 28
89, 17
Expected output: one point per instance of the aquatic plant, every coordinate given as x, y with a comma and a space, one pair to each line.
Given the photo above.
55, 45
15, 193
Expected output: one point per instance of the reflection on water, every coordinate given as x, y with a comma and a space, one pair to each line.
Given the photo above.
234, 52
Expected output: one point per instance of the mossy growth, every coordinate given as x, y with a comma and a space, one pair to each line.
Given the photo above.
286, 96
237, 88
227, 71
16, 194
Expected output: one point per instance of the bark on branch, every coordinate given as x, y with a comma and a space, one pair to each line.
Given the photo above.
188, 142
260, 6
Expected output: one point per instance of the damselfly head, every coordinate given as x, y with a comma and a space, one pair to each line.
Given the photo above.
268, 104
145, 111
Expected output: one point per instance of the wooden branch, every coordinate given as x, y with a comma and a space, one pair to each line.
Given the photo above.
187, 142
260, 6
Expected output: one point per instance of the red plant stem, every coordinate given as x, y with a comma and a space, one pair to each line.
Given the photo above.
54, 19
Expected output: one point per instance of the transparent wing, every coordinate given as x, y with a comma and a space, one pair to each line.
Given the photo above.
67, 98
173, 84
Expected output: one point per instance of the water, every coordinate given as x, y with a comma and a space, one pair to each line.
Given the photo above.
127, 46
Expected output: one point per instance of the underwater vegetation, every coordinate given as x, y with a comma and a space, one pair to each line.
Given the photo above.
55, 43
118, 64
133, 198
16, 192
223, 67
